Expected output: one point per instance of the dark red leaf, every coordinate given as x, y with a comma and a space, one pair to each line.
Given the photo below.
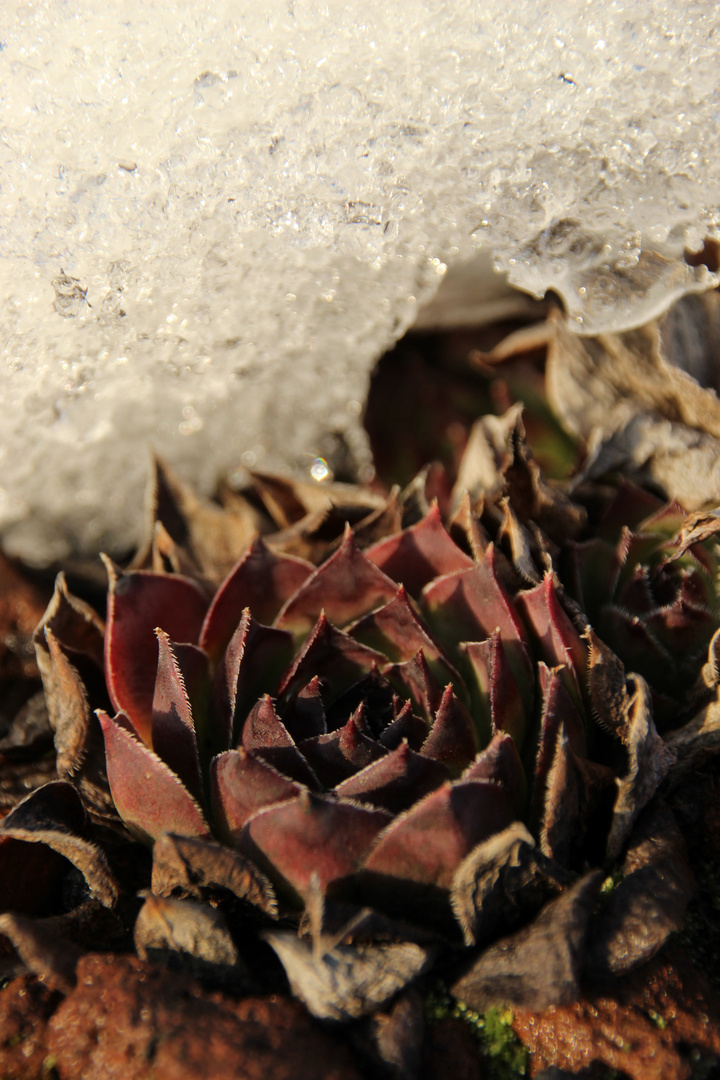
471, 604
332, 655
181, 669
252, 665
261, 581
452, 739
429, 842
415, 678
149, 797
343, 752
398, 631
396, 781
137, 603
560, 642
509, 704
405, 726
265, 735
311, 837
420, 553
346, 586
243, 783
500, 763
304, 714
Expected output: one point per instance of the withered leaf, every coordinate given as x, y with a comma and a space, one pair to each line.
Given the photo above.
213, 537
50, 958
541, 964
650, 759
184, 864
188, 936
650, 901
502, 880
51, 817
349, 981
638, 412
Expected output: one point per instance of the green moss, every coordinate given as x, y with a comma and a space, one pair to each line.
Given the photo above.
504, 1054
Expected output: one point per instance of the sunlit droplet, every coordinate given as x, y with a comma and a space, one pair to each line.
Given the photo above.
319, 469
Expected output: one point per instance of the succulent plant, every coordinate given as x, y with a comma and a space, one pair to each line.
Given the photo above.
416, 737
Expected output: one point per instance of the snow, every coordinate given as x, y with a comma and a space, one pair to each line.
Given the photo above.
215, 216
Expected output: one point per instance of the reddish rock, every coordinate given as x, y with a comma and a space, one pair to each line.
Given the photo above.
25, 1007
647, 1030
130, 1021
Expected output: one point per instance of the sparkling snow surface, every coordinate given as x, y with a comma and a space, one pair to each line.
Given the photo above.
214, 216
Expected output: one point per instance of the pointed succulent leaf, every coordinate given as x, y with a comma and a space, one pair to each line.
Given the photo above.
471, 604
405, 727
241, 784
640, 649
348, 981
415, 678
261, 581
149, 797
333, 656
398, 631
452, 739
252, 665
419, 554
182, 673
341, 753
138, 602
345, 587
629, 507
508, 703
375, 693
559, 641
304, 713
311, 835
396, 781
500, 763
188, 866
265, 735
428, 843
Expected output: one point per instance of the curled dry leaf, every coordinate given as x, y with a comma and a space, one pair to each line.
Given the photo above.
649, 902
541, 964
51, 959
349, 981
184, 865
187, 936
503, 880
